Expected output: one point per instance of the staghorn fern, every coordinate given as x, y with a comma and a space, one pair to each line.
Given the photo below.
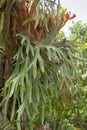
42, 67
39, 70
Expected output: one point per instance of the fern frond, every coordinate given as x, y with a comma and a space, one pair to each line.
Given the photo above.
40, 70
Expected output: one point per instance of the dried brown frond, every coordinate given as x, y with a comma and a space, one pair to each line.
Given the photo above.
36, 29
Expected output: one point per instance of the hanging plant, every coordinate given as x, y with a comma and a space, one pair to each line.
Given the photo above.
42, 67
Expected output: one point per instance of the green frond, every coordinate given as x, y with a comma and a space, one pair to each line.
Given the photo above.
40, 71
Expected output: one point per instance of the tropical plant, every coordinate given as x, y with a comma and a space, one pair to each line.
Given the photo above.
78, 31
34, 66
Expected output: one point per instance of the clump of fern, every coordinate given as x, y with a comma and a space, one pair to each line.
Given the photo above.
42, 67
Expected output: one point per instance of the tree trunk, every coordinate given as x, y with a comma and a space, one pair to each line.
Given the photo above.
4, 123
2, 68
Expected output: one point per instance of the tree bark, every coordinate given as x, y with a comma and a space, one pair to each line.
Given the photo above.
4, 122
2, 68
